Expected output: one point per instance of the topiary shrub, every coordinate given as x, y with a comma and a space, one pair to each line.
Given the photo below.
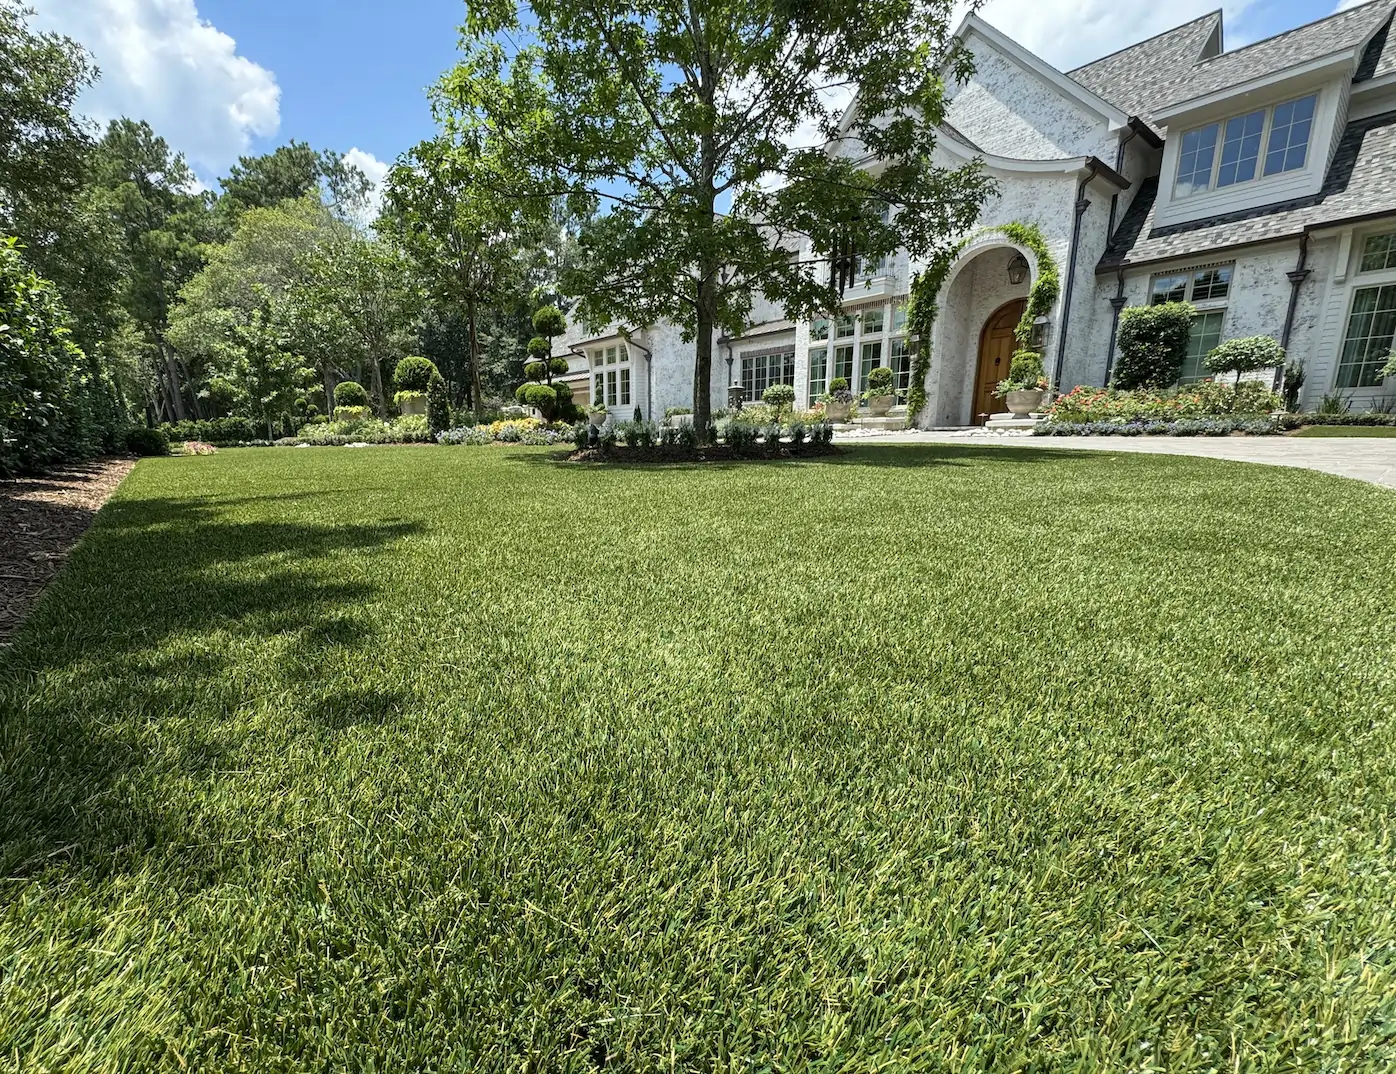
413, 374
438, 406
539, 349
1245, 355
541, 396
1153, 343
350, 393
147, 442
352, 413
778, 397
536, 370
881, 381
558, 366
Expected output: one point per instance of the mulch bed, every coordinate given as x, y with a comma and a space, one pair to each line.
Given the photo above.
42, 518
703, 453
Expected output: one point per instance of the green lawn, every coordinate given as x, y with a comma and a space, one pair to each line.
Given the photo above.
918, 759
1345, 430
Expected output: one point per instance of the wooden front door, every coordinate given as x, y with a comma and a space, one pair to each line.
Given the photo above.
996, 347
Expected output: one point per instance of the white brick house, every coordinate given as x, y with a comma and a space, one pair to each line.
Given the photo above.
1259, 184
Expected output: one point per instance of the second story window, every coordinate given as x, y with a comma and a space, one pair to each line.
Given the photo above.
1228, 152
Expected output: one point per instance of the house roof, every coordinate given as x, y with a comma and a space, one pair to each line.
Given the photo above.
1361, 183
1187, 62
1136, 78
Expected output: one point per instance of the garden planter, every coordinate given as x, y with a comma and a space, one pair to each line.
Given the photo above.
837, 411
598, 419
879, 405
680, 420
1024, 403
412, 407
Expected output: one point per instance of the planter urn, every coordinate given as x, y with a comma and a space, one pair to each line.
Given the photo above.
879, 405
1024, 403
414, 406
680, 420
837, 411
598, 419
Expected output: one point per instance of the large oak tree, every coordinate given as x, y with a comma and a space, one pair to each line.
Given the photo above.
714, 137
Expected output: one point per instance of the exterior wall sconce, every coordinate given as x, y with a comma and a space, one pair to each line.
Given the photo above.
1039, 333
1017, 269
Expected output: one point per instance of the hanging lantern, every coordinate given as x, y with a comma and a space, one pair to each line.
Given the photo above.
1017, 269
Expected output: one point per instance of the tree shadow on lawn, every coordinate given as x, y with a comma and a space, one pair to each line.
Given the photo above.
120, 679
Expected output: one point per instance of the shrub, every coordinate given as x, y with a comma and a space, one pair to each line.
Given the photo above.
1245, 355
838, 384
350, 393
540, 350
1368, 418
581, 434
351, 413
558, 366
401, 399
411, 429
143, 441
686, 437
1294, 380
1221, 425
779, 397
1389, 370
1153, 343
438, 406
607, 437
740, 436
771, 434
1205, 398
880, 381
535, 371
797, 433
1025, 373
412, 374
540, 396
474, 436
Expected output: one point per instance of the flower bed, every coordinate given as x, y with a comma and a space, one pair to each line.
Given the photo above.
1205, 399
526, 431
1223, 425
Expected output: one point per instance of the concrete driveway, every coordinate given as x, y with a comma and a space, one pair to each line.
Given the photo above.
1372, 460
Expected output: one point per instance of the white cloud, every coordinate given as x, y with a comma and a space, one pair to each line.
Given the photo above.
374, 170
162, 63
1068, 33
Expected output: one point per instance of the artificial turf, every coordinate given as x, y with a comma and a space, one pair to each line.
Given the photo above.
1345, 430
916, 759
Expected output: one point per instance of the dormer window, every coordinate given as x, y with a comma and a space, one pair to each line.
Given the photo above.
1283, 129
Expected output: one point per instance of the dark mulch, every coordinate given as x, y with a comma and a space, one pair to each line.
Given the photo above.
703, 453
41, 518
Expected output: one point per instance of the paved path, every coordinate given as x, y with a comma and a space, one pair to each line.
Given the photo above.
1365, 459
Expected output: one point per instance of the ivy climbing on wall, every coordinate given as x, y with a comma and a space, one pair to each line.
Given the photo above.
923, 308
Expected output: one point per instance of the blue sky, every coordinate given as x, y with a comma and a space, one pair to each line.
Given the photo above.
219, 78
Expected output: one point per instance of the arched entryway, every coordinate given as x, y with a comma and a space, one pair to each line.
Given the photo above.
996, 347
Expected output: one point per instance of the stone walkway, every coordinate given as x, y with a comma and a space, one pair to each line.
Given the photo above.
1365, 459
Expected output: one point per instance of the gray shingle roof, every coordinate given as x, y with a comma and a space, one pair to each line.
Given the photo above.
1135, 78
1185, 62
1361, 181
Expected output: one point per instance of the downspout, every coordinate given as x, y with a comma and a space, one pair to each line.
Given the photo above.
1296, 280
1116, 304
1119, 167
649, 370
1081, 206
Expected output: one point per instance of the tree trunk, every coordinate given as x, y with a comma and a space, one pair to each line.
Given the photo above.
376, 376
703, 360
476, 393
172, 375
327, 374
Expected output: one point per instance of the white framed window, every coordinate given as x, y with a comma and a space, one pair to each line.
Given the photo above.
1208, 289
899, 360
1370, 336
1378, 252
610, 375
818, 373
843, 362
869, 360
844, 326
1228, 152
761, 369
819, 328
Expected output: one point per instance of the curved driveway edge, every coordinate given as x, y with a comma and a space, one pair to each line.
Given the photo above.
1366, 459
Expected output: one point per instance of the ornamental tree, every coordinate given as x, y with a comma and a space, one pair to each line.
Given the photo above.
714, 140
1244, 355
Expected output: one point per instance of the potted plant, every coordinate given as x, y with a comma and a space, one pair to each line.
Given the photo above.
412, 377
880, 394
1026, 386
678, 415
838, 401
596, 414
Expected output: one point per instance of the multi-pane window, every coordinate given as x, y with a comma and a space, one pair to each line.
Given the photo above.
899, 317
873, 321
1205, 335
1207, 289
1378, 253
1284, 130
843, 362
1289, 135
818, 373
844, 327
871, 358
1370, 337
610, 378
900, 362
819, 328
760, 371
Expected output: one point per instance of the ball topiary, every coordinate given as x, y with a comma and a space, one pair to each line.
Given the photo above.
549, 321
778, 397
881, 380
414, 373
350, 393
536, 370
558, 366
838, 384
1245, 355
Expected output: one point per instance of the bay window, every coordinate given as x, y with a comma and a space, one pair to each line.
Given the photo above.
610, 375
